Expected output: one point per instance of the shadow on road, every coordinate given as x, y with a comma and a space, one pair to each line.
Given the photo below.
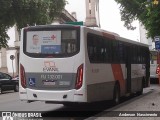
83, 111
80, 111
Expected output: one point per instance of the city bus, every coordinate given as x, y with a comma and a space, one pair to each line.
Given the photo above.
154, 67
70, 64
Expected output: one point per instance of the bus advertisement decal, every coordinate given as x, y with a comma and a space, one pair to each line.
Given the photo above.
118, 75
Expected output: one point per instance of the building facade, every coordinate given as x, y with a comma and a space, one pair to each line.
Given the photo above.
144, 39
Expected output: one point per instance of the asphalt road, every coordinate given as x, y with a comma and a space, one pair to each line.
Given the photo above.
9, 101
149, 101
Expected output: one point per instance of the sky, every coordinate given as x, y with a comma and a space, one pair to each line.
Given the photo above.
110, 18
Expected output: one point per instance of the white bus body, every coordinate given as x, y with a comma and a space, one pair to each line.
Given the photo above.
71, 68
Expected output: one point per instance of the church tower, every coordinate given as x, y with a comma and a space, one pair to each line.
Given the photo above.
92, 13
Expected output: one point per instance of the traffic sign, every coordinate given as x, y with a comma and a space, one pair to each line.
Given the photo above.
157, 42
12, 57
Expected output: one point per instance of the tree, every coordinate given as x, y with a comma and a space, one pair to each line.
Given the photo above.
146, 11
26, 12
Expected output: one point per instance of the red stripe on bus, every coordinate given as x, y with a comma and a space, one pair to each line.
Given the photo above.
118, 75
107, 35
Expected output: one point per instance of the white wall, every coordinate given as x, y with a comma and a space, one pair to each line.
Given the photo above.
11, 34
143, 37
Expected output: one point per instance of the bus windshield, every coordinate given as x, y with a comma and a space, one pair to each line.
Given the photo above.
57, 42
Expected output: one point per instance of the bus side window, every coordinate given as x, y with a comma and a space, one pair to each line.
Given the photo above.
92, 50
120, 49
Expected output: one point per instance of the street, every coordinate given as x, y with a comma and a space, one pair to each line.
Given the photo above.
9, 101
149, 101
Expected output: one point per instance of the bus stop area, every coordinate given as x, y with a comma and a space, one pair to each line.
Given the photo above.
143, 107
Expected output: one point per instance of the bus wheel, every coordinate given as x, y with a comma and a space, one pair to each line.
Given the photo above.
116, 94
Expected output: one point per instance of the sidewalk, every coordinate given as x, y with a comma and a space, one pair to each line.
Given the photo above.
147, 104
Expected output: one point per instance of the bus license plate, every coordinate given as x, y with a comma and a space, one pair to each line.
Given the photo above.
49, 83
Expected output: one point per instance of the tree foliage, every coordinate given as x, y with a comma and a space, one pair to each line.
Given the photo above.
145, 11
26, 12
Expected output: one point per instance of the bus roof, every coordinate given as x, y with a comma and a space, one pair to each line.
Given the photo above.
115, 35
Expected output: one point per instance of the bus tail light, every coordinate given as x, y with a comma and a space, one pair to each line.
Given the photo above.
157, 70
79, 77
23, 77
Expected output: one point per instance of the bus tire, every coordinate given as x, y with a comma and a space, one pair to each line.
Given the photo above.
116, 94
